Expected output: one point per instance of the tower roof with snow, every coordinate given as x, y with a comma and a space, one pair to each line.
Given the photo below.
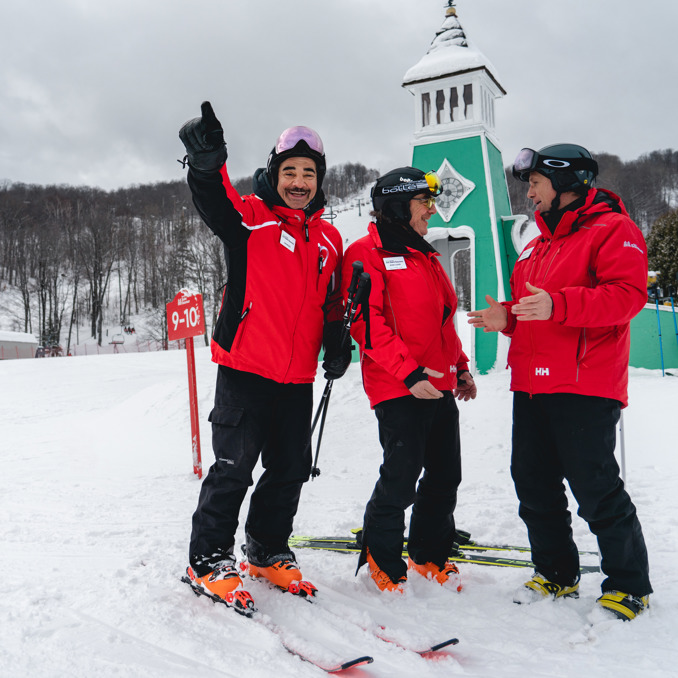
450, 53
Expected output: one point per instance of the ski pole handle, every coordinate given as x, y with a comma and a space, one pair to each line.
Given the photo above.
357, 270
363, 300
353, 285
363, 287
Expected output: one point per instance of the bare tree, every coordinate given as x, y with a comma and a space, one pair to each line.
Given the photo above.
97, 252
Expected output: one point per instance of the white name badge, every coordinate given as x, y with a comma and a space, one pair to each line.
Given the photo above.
394, 263
286, 240
526, 253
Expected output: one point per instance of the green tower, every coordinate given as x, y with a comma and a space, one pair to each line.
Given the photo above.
454, 88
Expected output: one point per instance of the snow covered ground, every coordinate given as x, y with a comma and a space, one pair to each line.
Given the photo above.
97, 491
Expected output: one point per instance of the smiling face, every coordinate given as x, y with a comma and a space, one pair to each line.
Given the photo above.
421, 213
297, 181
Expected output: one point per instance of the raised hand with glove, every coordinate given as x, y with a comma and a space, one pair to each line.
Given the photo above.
338, 349
204, 141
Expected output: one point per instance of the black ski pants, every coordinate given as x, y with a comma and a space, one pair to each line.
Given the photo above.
415, 434
568, 436
252, 417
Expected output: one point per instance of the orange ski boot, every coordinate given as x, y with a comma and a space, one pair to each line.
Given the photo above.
283, 573
223, 585
447, 576
383, 580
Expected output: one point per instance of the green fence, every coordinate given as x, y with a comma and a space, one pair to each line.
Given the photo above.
645, 345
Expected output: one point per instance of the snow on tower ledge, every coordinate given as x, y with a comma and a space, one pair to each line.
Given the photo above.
454, 86
450, 53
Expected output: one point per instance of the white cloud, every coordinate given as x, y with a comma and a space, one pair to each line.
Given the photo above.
95, 92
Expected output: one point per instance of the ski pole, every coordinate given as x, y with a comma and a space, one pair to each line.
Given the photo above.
361, 293
352, 288
622, 445
321, 412
659, 327
672, 291
315, 471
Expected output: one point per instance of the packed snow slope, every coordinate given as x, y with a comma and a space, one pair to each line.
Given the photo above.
97, 492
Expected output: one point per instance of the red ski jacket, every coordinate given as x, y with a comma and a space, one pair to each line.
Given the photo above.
283, 278
594, 266
411, 306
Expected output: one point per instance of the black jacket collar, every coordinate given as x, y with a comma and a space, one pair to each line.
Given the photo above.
397, 236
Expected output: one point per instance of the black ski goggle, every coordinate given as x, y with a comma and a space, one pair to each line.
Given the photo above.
528, 161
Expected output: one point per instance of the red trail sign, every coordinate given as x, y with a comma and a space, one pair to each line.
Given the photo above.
185, 320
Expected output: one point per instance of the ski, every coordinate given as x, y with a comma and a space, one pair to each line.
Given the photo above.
464, 542
474, 546
430, 650
462, 555
250, 612
382, 624
328, 668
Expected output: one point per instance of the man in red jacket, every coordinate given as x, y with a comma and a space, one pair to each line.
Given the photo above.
575, 288
281, 302
412, 371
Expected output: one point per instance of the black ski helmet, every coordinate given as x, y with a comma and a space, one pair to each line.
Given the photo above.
391, 194
296, 142
569, 167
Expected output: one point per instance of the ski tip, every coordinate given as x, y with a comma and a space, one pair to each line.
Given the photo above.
445, 643
360, 661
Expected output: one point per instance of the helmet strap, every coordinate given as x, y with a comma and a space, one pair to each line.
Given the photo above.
555, 204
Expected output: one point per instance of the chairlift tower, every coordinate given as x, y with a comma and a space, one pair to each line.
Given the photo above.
455, 88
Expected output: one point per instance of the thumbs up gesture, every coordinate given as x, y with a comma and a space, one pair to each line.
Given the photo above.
203, 138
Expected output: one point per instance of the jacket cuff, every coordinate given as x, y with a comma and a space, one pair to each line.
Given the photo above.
511, 320
559, 312
406, 368
415, 377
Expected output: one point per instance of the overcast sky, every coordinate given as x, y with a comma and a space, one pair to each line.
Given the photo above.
93, 92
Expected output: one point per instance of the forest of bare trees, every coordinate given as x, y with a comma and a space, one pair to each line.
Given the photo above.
86, 257
64, 248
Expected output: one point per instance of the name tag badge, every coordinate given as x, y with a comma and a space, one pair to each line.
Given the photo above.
286, 240
394, 263
526, 254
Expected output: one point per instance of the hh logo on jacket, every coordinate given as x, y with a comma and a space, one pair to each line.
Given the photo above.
541, 371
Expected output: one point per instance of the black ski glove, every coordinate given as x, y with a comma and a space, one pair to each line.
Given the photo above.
337, 355
204, 141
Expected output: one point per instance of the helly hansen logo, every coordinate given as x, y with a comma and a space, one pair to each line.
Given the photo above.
542, 371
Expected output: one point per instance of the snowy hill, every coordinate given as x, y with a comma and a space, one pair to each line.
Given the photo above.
97, 491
